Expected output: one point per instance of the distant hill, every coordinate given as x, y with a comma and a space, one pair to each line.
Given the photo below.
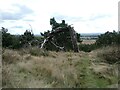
90, 34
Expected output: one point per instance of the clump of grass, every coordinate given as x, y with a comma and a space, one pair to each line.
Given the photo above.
38, 52
110, 54
53, 54
10, 57
24, 51
28, 57
6, 79
69, 56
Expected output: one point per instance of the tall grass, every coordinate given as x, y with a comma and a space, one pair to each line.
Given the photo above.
56, 70
10, 57
38, 52
110, 54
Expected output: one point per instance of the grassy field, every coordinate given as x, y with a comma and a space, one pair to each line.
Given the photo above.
92, 41
35, 68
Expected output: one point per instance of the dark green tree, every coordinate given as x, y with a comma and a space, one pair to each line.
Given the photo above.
7, 38
60, 34
78, 38
26, 38
108, 38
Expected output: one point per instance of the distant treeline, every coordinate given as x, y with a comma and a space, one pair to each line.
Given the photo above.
29, 39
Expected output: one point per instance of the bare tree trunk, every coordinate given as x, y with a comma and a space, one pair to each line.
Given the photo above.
43, 43
74, 40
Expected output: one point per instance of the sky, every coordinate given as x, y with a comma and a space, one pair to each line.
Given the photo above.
86, 16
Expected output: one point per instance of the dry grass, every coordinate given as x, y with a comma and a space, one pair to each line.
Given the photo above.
88, 41
0, 68
110, 54
58, 69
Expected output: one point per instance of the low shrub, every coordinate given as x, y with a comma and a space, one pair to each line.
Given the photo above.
87, 47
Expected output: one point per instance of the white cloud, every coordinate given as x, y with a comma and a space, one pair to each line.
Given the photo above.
85, 15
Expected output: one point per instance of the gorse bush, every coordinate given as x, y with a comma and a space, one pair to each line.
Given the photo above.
108, 38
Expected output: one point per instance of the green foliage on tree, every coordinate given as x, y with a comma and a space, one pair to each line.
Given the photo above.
111, 55
108, 38
78, 37
16, 41
26, 38
60, 39
56, 25
8, 40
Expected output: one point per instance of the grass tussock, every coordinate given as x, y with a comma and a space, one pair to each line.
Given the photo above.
10, 57
34, 51
38, 52
57, 69
110, 54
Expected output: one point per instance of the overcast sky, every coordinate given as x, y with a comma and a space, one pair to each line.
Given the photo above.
87, 16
